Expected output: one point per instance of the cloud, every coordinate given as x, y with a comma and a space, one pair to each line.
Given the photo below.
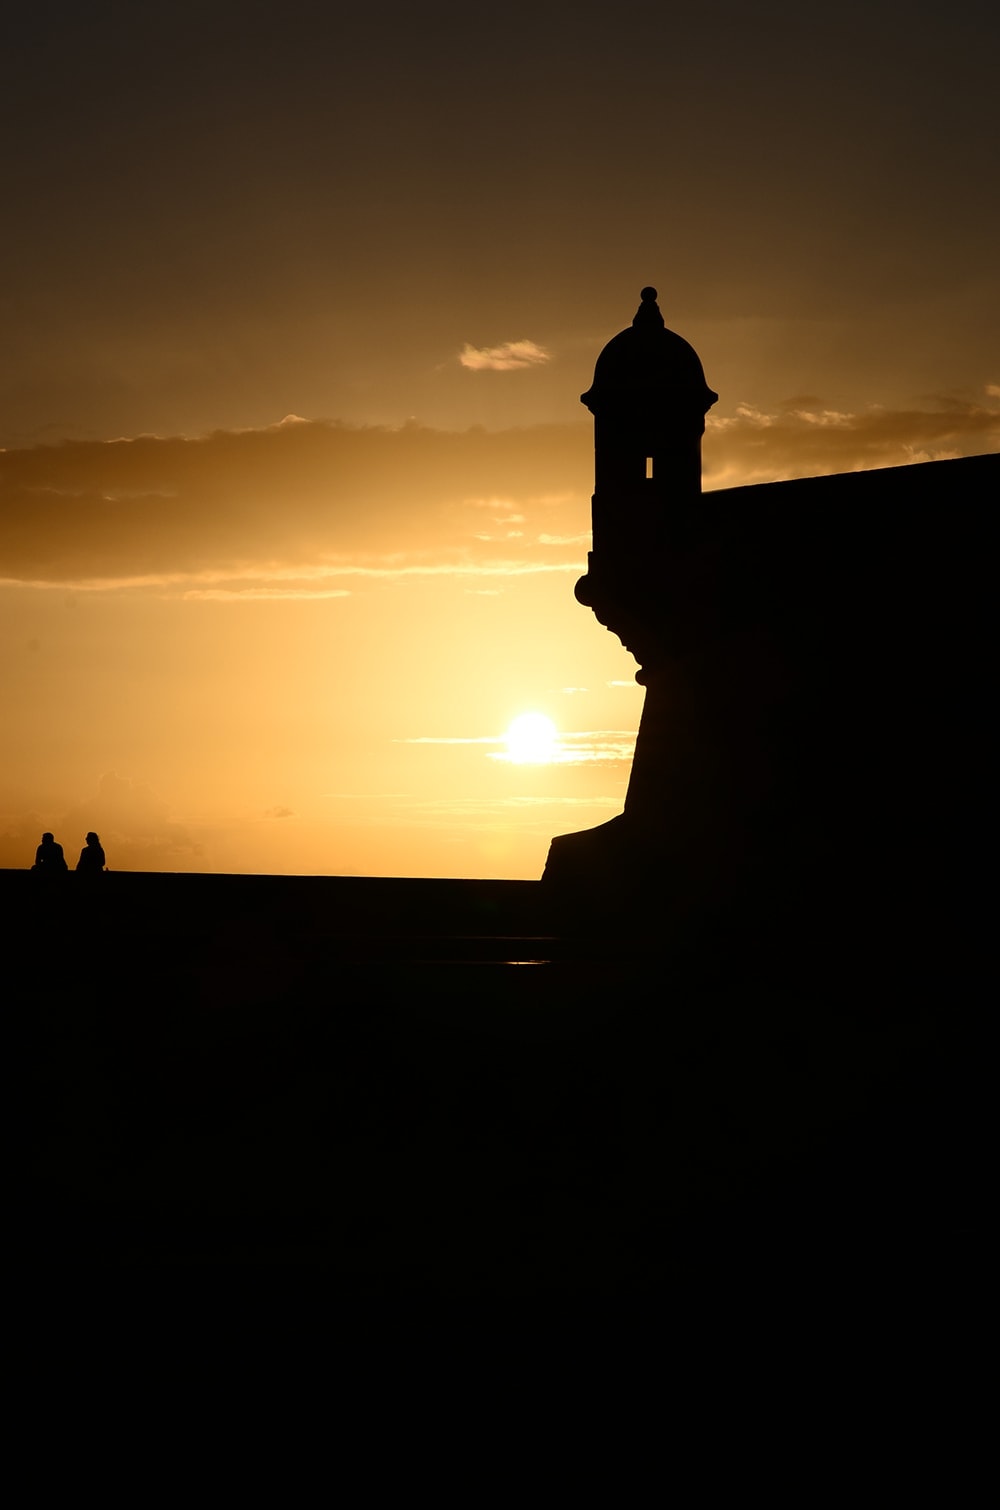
509, 357
805, 438
295, 503
306, 509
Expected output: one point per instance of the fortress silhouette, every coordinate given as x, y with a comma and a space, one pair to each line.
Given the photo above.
814, 657
747, 1004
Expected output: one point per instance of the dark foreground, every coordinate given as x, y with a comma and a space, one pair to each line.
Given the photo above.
431, 1087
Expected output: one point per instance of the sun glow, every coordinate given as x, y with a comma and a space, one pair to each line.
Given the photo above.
532, 739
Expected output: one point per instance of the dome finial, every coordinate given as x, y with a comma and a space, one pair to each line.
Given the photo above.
647, 316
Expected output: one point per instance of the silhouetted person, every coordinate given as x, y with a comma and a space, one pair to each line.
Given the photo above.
49, 856
91, 856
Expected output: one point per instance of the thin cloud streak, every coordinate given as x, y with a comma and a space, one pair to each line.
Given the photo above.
589, 749
432, 739
580, 747
484, 814
258, 590
264, 594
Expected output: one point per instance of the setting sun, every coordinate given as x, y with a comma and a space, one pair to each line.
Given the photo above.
532, 739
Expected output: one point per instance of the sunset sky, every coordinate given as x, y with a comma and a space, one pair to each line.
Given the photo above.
296, 306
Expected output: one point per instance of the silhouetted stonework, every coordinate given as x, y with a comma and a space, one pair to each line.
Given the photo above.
815, 664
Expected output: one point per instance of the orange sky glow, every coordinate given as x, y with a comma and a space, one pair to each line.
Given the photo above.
294, 478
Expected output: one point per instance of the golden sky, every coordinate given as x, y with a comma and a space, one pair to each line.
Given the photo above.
296, 306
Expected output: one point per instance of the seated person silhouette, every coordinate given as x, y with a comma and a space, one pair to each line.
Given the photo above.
91, 856
49, 856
